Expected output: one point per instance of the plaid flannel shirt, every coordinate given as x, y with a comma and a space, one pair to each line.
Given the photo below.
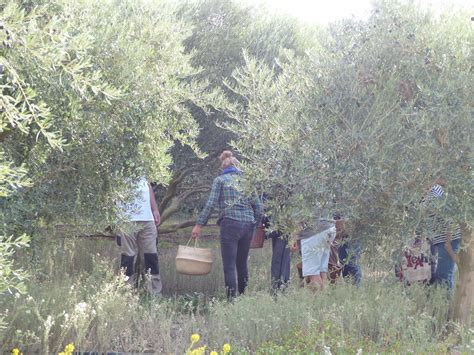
226, 195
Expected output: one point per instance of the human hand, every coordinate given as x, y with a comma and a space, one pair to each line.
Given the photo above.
294, 247
196, 233
156, 217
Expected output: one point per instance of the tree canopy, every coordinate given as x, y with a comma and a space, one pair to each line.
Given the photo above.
93, 93
364, 124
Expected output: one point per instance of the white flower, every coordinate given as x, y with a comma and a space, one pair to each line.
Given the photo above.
327, 350
81, 307
29, 298
359, 352
17, 295
49, 322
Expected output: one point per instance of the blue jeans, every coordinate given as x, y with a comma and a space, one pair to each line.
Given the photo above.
280, 268
444, 274
235, 245
349, 255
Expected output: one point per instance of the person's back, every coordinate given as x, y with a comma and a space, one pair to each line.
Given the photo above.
143, 216
238, 215
443, 233
315, 250
140, 208
235, 202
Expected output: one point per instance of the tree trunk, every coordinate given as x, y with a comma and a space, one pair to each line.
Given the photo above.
463, 299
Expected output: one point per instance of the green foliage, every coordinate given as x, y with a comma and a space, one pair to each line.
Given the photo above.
12, 278
221, 31
365, 122
92, 93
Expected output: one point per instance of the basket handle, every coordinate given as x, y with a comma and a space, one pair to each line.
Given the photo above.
195, 242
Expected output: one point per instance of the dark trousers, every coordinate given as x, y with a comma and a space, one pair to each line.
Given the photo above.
235, 245
280, 268
349, 256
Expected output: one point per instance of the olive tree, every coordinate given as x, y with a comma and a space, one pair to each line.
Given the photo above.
364, 124
93, 93
221, 31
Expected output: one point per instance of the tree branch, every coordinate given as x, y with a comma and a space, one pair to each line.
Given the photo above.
177, 178
177, 201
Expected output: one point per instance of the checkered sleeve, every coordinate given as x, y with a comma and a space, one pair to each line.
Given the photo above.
212, 202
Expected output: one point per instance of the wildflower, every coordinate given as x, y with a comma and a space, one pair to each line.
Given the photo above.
49, 322
195, 338
327, 350
213, 353
199, 351
359, 352
15, 351
69, 348
226, 348
81, 307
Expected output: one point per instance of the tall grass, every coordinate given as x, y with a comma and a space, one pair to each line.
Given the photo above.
77, 295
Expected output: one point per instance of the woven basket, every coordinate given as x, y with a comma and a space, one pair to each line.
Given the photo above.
193, 261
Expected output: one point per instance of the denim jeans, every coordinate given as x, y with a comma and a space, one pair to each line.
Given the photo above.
444, 274
349, 255
280, 268
235, 245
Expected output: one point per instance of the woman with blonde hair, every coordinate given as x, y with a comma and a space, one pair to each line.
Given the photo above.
238, 215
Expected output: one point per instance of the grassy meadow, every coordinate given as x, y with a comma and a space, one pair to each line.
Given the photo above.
76, 296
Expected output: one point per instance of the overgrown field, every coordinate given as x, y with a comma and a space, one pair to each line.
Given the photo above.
77, 296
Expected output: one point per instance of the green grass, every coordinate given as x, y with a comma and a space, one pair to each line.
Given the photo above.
76, 296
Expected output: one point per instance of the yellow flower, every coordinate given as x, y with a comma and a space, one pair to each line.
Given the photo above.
199, 351
15, 351
226, 348
213, 353
195, 338
62, 353
69, 348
